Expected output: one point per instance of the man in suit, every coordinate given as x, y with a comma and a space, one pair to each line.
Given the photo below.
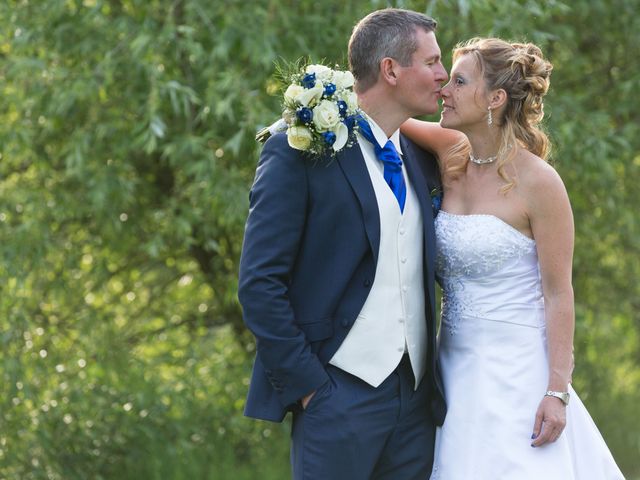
337, 274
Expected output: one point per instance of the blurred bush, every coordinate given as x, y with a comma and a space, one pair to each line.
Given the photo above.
126, 155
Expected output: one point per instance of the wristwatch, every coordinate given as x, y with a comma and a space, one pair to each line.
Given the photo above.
563, 396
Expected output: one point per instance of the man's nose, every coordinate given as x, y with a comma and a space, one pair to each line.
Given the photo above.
443, 76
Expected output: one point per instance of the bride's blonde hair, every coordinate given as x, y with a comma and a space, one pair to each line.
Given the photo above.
521, 70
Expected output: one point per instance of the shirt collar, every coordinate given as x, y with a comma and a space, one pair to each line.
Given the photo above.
381, 137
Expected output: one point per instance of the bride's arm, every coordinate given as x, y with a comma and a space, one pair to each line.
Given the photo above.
552, 226
431, 136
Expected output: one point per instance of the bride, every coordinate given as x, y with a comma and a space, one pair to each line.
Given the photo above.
505, 246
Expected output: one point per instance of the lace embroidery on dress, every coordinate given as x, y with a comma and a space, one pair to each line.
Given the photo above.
472, 247
455, 304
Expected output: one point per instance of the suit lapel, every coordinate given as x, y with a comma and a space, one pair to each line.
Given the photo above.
355, 170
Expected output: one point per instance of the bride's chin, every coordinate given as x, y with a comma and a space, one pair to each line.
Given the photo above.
446, 123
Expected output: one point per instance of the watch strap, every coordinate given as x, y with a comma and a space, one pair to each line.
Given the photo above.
563, 396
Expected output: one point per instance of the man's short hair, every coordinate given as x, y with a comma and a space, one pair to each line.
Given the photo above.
384, 33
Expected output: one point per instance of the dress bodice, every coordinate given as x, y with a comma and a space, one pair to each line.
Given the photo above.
487, 269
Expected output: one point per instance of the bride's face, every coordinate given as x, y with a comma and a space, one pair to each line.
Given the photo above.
464, 98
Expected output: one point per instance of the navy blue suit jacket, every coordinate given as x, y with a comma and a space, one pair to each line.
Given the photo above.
308, 262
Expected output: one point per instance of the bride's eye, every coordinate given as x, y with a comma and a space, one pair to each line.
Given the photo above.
459, 81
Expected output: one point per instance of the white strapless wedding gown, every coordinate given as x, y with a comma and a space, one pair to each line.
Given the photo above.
494, 363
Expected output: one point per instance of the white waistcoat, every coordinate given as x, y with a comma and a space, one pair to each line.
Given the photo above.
392, 319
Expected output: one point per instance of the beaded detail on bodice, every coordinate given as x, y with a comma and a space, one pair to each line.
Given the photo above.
487, 269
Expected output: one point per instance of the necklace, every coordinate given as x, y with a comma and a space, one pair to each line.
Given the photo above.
482, 161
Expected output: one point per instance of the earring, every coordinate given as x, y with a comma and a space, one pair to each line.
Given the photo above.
490, 117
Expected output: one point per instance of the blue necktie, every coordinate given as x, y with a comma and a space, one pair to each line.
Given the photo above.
391, 161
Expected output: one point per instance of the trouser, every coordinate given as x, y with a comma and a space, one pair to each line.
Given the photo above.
353, 431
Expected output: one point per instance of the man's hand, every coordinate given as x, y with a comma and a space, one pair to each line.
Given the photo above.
306, 399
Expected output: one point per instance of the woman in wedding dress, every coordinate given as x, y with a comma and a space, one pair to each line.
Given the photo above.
504, 260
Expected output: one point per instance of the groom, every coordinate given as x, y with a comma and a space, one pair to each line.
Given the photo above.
337, 275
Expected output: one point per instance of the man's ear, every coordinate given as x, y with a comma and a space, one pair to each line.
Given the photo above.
497, 98
388, 70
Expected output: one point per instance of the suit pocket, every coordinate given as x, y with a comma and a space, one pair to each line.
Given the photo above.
321, 393
317, 330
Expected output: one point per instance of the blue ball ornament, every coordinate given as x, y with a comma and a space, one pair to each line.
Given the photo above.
329, 137
329, 89
342, 108
305, 115
309, 80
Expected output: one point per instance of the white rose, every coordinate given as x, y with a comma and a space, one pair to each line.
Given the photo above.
292, 93
322, 73
342, 135
343, 79
308, 97
352, 102
299, 137
326, 115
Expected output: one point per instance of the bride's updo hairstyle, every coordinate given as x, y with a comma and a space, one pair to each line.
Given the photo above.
521, 70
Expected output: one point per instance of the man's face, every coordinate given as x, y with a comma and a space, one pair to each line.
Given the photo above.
419, 83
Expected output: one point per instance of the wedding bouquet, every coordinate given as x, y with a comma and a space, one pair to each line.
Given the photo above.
320, 110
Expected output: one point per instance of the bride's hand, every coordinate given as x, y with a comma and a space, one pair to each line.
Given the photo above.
551, 419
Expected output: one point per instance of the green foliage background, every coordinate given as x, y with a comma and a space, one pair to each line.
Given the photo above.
126, 155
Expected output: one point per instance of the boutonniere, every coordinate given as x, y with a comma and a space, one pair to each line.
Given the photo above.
436, 200
319, 109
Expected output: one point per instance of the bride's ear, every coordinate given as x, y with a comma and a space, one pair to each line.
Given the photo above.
497, 98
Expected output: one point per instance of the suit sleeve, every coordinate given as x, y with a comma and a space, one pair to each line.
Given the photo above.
275, 225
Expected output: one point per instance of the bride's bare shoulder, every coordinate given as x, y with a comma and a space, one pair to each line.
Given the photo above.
432, 137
